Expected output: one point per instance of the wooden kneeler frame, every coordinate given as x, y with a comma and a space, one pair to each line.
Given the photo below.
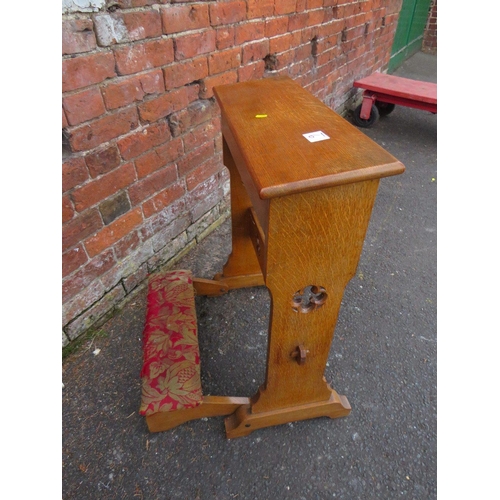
303, 185
211, 406
165, 340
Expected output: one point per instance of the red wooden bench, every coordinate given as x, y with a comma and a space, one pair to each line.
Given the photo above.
386, 91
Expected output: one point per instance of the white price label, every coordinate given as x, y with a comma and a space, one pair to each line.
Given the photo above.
316, 136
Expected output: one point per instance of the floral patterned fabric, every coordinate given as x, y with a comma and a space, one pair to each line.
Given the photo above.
171, 371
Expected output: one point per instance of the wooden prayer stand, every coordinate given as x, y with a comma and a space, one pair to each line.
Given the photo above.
303, 184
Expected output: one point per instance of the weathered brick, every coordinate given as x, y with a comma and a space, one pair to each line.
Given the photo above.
355, 21
280, 43
195, 158
255, 51
73, 259
121, 27
254, 71
316, 17
192, 45
64, 119
260, 8
127, 245
205, 132
297, 21
302, 52
82, 278
227, 12
152, 184
80, 303
112, 208
218, 137
181, 73
130, 4
143, 55
193, 92
83, 106
204, 196
163, 238
206, 91
162, 219
80, 228
170, 250
103, 161
224, 37
219, 62
204, 225
148, 163
84, 71
99, 189
103, 129
143, 24
163, 199
128, 265
160, 107
77, 36
74, 173
133, 89
284, 59
139, 142
203, 172
284, 7
114, 232
196, 113
249, 32
159, 157
300, 5
67, 209
276, 26
132, 281
177, 18
100, 308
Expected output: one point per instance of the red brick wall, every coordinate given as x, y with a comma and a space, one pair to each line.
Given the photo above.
142, 167
429, 43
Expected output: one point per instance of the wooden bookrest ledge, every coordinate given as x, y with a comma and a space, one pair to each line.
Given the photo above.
303, 184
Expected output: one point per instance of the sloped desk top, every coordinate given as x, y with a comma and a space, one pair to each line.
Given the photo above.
263, 122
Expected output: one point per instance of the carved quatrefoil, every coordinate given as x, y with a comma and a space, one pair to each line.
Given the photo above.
309, 298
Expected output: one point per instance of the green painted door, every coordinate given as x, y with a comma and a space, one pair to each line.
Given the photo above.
409, 32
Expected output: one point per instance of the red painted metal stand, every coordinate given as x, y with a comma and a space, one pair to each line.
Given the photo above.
386, 91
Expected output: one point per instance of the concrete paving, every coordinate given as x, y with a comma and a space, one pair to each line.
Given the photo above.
383, 358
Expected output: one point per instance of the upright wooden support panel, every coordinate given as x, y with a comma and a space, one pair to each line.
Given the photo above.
303, 184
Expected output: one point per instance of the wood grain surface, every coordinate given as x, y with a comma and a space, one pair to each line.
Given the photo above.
278, 158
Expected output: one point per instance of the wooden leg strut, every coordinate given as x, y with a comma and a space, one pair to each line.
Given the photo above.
212, 406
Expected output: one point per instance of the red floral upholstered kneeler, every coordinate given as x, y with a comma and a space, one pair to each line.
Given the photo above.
171, 370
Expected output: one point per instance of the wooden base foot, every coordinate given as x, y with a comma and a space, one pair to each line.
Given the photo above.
210, 288
242, 422
242, 281
212, 406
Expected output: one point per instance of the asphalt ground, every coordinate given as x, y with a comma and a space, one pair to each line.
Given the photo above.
383, 358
